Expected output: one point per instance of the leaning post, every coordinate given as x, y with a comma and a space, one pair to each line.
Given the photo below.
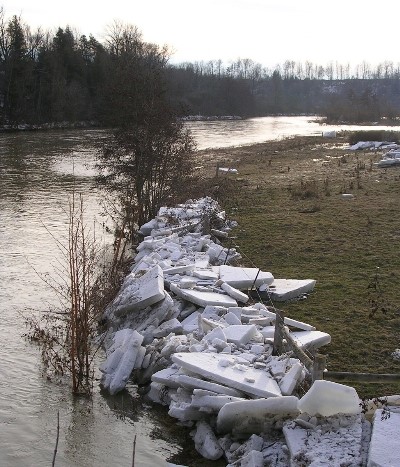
278, 335
319, 366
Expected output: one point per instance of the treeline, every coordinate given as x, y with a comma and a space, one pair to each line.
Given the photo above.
62, 76
246, 88
59, 77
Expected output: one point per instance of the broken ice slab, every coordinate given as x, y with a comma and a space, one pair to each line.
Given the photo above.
184, 412
180, 212
233, 292
168, 327
266, 314
290, 380
168, 377
327, 398
203, 298
145, 229
205, 274
281, 290
207, 401
179, 269
244, 278
120, 363
206, 443
141, 292
191, 382
225, 370
308, 339
191, 323
255, 416
240, 334
384, 446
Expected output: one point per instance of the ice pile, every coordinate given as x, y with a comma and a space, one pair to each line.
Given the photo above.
373, 145
182, 325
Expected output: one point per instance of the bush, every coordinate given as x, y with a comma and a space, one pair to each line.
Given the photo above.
374, 135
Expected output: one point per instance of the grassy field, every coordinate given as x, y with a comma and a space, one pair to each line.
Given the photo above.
294, 222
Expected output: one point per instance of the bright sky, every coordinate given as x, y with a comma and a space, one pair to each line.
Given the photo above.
266, 31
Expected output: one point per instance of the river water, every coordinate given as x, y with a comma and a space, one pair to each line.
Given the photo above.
39, 171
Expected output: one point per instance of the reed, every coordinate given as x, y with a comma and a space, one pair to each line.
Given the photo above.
84, 284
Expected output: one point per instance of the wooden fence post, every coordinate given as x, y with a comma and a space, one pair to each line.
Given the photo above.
279, 332
319, 366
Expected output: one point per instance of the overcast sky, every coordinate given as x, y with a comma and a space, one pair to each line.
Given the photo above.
267, 31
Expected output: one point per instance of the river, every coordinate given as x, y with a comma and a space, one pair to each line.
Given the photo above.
39, 171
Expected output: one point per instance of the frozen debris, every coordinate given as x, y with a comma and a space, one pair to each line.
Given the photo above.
373, 145
329, 134
327, 398
139, 292
384, 446
335, 441
256, 416
225, 369
206, 358
244, 278
287, 289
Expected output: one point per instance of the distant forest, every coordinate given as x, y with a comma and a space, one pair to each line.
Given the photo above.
63, 77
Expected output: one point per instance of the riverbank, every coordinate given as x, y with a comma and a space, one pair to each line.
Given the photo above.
293, 220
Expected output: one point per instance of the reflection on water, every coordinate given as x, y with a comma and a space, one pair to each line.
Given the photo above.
225, 133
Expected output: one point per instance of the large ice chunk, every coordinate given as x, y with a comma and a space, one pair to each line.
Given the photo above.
286, 289
121, 361
307, 339
141, 292
255, 416
206, 442
240, 334
327, 398
233, 292
203, 298
289, 381
226, 370
207, 401
244, 278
